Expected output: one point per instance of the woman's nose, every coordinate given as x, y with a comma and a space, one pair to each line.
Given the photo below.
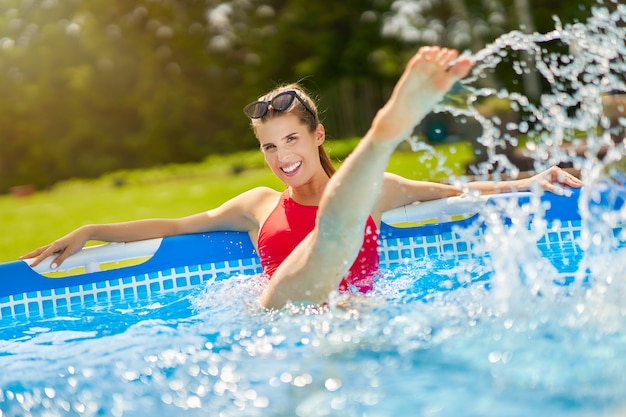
283, 153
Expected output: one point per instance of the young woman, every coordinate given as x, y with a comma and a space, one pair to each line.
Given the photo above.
320, 234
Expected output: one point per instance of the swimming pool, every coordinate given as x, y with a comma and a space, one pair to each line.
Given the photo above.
525, 323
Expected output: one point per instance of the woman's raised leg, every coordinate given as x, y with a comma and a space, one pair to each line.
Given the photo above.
318, 263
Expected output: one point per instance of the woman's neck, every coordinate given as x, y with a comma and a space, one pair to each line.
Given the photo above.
309, 194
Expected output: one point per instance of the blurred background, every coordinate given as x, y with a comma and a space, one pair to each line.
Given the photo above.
92, 86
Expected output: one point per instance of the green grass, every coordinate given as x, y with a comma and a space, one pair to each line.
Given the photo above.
173, 191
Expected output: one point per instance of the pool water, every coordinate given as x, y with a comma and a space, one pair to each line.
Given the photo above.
438, 336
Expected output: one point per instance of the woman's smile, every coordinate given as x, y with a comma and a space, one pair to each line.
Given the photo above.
290, 169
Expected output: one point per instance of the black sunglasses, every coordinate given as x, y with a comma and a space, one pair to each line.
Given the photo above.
280, 102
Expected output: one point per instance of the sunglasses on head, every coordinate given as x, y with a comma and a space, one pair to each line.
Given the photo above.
280, 102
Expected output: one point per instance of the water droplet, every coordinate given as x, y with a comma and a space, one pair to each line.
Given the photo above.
332, 384
494, 357
194, 402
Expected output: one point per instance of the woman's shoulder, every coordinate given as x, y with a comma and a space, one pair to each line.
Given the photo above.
259, 202
251, 205
263, 192
257, 197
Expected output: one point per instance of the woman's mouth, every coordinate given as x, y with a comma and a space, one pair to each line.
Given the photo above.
289, 169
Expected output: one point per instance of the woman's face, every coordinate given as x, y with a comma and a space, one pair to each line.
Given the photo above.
290, 149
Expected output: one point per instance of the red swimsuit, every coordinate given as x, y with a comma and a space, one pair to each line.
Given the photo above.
290, 222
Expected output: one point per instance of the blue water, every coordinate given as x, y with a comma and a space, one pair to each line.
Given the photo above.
437, 337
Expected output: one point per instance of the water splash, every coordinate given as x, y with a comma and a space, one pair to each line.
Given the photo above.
571, 112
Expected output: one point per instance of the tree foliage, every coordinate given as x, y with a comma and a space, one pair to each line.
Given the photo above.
90, 86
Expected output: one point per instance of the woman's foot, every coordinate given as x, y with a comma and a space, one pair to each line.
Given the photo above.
428, 76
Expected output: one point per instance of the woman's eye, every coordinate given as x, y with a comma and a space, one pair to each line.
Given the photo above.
268, 148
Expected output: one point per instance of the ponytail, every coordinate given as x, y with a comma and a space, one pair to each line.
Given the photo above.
327, 164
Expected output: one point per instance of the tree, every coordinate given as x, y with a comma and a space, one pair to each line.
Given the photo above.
93, 86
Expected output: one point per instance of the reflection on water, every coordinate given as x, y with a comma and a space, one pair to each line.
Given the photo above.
504, 333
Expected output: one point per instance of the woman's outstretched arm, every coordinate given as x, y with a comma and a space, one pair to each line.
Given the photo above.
239, 213
399, 191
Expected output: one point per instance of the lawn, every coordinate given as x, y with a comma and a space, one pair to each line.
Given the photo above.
176, 190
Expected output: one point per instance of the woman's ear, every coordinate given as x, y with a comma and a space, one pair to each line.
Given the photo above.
320, 134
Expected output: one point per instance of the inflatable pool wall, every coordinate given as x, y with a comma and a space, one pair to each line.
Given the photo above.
138, 269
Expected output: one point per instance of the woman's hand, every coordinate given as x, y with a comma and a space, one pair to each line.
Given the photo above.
63, 248
554, 179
